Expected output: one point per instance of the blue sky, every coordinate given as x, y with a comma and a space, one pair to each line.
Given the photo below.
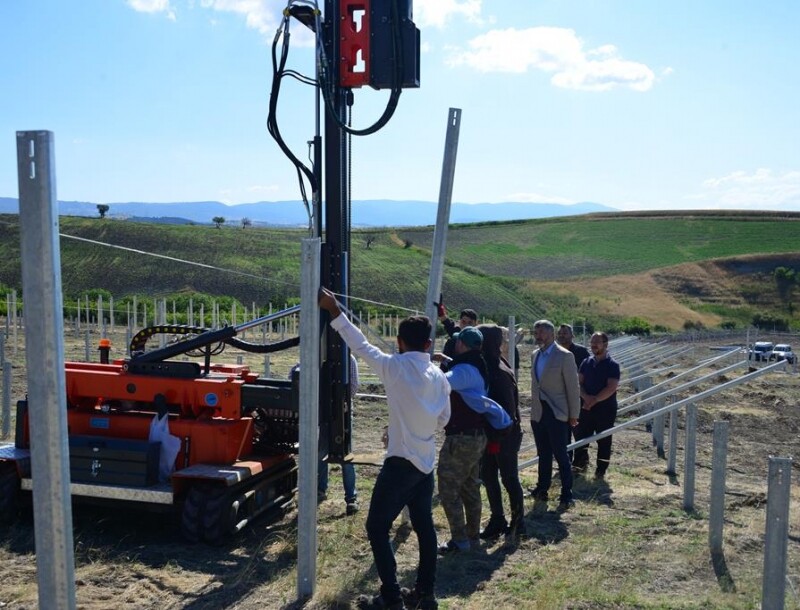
636, 105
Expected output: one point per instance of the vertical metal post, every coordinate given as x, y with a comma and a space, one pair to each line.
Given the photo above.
512, 343
773, 590
442, 216
41, 280
266, 366
672, 456
111, 313
87, 353
716, 513
689, 456
3, 348
7, 378
309, 419
14, 320
658, 429
99, 313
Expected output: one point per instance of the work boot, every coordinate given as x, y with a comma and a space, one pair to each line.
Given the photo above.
351, 507
376, 602
495, 528
517, 526
413, 599
452, 546
538, 493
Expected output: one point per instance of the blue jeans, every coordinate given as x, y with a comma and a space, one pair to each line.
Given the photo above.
552, 436
348, 480
400, 484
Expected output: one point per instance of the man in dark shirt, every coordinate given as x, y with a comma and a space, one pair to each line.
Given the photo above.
599, 377
467, 317
564, 338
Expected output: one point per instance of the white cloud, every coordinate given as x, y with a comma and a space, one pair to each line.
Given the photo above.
763, 188
153, 6
556, 50
436, 13
259, 14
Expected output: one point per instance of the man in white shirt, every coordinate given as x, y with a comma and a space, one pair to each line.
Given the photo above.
418, 397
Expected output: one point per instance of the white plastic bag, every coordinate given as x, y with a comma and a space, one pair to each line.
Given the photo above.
170, 445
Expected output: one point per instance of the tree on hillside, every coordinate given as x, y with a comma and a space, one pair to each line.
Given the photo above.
219, 221
786, 279
368, 240
246, 222
102, 208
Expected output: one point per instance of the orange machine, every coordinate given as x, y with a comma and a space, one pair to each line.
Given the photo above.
237, 433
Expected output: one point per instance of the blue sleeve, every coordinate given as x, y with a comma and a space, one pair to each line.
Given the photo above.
467, 381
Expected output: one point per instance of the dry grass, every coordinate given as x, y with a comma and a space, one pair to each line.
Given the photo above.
628, 543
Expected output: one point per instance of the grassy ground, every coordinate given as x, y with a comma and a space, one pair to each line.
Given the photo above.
627, 544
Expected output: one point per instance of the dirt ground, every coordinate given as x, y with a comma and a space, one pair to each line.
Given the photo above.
627, 544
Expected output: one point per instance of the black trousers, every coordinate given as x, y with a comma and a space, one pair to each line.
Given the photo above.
591, 422
506, 465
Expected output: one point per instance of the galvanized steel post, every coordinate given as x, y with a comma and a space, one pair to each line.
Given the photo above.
689, 456
777, 533
442, 217
716, 513
512, 343
41, 280
673, 442
309, 419
7, 370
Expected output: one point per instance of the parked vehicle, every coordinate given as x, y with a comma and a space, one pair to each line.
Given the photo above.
762, 351
783, 351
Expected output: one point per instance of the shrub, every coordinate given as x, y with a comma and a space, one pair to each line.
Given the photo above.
635, 326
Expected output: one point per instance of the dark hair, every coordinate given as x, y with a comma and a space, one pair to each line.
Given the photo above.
602, 335
415, 331
469, 313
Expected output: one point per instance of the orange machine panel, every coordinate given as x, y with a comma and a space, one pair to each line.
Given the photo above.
218, 394
213, 441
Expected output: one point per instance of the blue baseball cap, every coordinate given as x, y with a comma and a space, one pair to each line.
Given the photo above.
469, 336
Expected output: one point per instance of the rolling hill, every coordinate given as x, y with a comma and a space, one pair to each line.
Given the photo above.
672, 269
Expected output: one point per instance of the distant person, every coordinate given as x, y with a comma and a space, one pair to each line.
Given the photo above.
565, 336
467, 317
555, 407
348, 470
465, 439
501, 455
417, 394
599, 379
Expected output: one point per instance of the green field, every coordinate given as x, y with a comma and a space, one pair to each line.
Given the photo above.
496, 268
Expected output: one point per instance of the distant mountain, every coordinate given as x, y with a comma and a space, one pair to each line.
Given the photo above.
292, 213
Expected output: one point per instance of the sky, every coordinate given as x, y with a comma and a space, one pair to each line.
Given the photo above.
637, 105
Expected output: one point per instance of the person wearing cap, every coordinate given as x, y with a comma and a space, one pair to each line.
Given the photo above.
465, 439
467, 317
555, 407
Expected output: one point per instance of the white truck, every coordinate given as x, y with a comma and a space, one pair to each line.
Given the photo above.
762, 351
783, 351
